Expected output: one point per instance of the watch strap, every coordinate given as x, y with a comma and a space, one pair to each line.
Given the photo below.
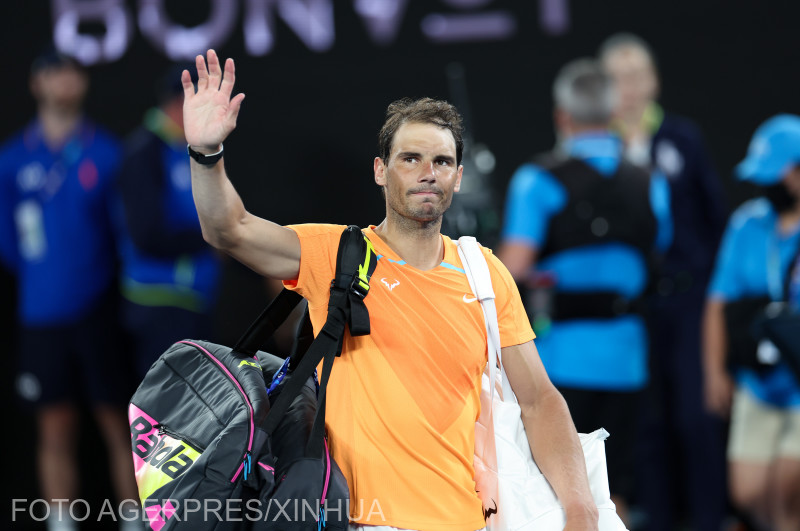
205, 160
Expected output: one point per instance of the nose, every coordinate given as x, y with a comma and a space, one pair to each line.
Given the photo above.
428, 172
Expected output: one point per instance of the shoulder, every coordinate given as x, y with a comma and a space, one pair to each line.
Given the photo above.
141, 139
536, 183
753, 213
497, 269
11, 148
680, 129
491, 260
317, 230
101, 145
100, 137
531, 174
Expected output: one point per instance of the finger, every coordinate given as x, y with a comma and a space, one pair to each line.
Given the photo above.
202, 73
214, 70
188, 87
233, 108
228, 79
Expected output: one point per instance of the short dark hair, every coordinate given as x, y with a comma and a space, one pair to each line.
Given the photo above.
421, 111
51, 58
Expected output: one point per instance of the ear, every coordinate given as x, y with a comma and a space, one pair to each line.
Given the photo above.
458, 179
656, 83
561, 120
379, 168
33, 86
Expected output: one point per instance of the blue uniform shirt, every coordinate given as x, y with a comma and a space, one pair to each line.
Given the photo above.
606, 354
752, 262
55, 229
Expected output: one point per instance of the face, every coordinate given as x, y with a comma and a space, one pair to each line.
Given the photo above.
420, 175
63, 86
635, 78
792, 181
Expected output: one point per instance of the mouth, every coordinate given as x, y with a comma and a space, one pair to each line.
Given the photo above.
425, 193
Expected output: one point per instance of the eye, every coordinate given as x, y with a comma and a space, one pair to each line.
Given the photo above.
443, 162
410, 160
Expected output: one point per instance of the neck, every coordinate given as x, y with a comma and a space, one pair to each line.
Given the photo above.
419, 243
576, 130
640, 123
58, 123
789, 220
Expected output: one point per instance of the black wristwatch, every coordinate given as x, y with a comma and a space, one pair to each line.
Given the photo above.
205, 160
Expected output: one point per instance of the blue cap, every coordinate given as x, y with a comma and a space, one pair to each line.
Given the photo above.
775, 147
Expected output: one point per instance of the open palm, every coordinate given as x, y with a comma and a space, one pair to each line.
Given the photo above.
209, 115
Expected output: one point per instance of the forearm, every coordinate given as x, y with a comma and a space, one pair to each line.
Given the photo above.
219, 207
558, 453
518, 258
714, 338
551, 434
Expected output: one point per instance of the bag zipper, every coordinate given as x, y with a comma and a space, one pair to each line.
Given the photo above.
321, 521
246, 459
164, 430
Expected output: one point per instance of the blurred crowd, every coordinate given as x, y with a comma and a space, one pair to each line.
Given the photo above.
660, 315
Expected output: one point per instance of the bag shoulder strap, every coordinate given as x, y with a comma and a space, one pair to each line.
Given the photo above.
480, 280
356, 261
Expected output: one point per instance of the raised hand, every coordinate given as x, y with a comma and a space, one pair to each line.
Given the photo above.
209, 115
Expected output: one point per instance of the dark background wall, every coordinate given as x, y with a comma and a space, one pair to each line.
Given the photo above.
304, 145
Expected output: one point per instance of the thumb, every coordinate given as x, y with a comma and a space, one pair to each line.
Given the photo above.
234, 106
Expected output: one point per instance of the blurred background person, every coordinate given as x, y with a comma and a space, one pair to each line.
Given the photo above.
680, 441
793, 284
580, 227
56, 238
169, 273
761, 239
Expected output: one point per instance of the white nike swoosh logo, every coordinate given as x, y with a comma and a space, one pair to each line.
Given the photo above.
470, 299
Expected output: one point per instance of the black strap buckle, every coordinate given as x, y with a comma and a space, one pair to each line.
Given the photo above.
357, 287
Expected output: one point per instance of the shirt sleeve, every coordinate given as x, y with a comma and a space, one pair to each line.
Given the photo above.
9, 256
319, 244
660, 203
533, 197
725, 283
512, 320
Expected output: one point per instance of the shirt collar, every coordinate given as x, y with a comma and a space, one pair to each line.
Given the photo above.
80, 136
594, 144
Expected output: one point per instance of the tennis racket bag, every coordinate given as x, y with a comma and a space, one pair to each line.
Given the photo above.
212, 450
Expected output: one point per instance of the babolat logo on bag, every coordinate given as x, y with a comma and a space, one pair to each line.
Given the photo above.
158, 457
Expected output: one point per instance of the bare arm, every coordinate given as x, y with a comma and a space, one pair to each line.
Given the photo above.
518, 259
718, 387
551, 434
209, 116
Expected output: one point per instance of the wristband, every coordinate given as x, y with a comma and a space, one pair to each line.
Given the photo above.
205, 160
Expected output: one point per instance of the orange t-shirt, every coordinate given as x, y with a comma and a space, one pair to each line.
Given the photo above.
402, 402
